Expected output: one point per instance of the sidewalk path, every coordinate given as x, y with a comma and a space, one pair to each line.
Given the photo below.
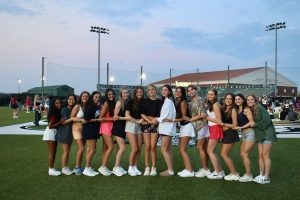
17, 130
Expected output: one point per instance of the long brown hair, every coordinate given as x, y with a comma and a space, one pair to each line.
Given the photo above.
230, 107
136, 101
211, 103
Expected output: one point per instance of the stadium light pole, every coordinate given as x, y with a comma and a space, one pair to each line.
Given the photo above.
43, 75
275, 27
141, 76
170, 77
19, 85
99, 30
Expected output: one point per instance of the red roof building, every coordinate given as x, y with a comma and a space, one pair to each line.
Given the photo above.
258, 80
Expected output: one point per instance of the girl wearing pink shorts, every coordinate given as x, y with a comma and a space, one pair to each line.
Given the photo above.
106, 126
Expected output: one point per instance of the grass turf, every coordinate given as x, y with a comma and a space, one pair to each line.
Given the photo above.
23, 174
6, 117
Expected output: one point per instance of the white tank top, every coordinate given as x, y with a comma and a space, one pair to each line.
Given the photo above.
211, 115
80, 113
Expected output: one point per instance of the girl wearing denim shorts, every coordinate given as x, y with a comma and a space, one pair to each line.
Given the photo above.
133, 129
245, 123
197, 110
265, 135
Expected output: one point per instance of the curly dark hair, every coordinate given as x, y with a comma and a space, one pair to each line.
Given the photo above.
111, 103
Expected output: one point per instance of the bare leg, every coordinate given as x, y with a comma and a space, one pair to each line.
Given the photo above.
202, 148
183, 142
226, 149
121, 150
166, 150
246, 149
212, 144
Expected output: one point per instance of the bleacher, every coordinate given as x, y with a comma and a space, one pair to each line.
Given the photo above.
245, 90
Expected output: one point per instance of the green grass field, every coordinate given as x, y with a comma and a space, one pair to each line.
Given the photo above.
23, 175
6, 117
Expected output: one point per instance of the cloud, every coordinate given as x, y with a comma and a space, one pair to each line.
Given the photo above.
233, 42
127, 13
19, 8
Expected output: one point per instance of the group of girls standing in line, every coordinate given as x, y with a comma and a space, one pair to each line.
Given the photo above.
146, 119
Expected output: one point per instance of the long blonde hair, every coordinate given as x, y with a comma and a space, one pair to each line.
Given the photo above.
123, 101
253, 108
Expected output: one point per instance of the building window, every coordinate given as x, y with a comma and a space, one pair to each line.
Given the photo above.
284, 90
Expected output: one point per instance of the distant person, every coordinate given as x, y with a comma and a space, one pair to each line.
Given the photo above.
13, 103
19, 102
54, 121
264, 101
64, 133
283, 113
27, 104
271, 112
45, 105
37, 110
292, 115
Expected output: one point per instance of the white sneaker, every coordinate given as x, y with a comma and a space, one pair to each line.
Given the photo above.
138, 172
232, 177
88, 172
167, 173
153, 171
186, 173
123, 170
104, 171
96, 173
131, 171
147, 171
215, 175
67, 171
257, 178
223, 173
261, 179
178, 173
117, 171
53, 172
246, 178
202, 173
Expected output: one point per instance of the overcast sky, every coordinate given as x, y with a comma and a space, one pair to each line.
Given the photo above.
159, 35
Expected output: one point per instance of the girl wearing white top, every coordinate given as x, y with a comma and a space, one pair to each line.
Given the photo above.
216, 132
167, 129
77, 116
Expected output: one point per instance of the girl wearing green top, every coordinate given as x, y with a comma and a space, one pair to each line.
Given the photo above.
265, 135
